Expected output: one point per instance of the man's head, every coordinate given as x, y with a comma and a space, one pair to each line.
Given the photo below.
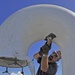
55, 56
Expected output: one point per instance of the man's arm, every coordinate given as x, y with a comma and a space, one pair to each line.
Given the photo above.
44, 63
37, 56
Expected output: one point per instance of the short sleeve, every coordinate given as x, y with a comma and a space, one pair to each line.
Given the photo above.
39, 60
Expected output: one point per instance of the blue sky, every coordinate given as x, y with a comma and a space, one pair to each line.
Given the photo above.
8, 7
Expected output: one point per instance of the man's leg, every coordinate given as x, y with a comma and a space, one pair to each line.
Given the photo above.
44, 61
44, 49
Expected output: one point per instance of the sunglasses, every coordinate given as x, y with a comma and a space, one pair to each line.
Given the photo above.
55, 54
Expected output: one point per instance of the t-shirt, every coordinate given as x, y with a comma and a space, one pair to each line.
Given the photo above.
52, 69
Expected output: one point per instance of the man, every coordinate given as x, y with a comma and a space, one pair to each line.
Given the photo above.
48, 65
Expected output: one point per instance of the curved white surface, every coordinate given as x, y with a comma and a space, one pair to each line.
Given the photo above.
32, 24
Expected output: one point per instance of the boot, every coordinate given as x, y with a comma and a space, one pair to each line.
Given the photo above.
51, 36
